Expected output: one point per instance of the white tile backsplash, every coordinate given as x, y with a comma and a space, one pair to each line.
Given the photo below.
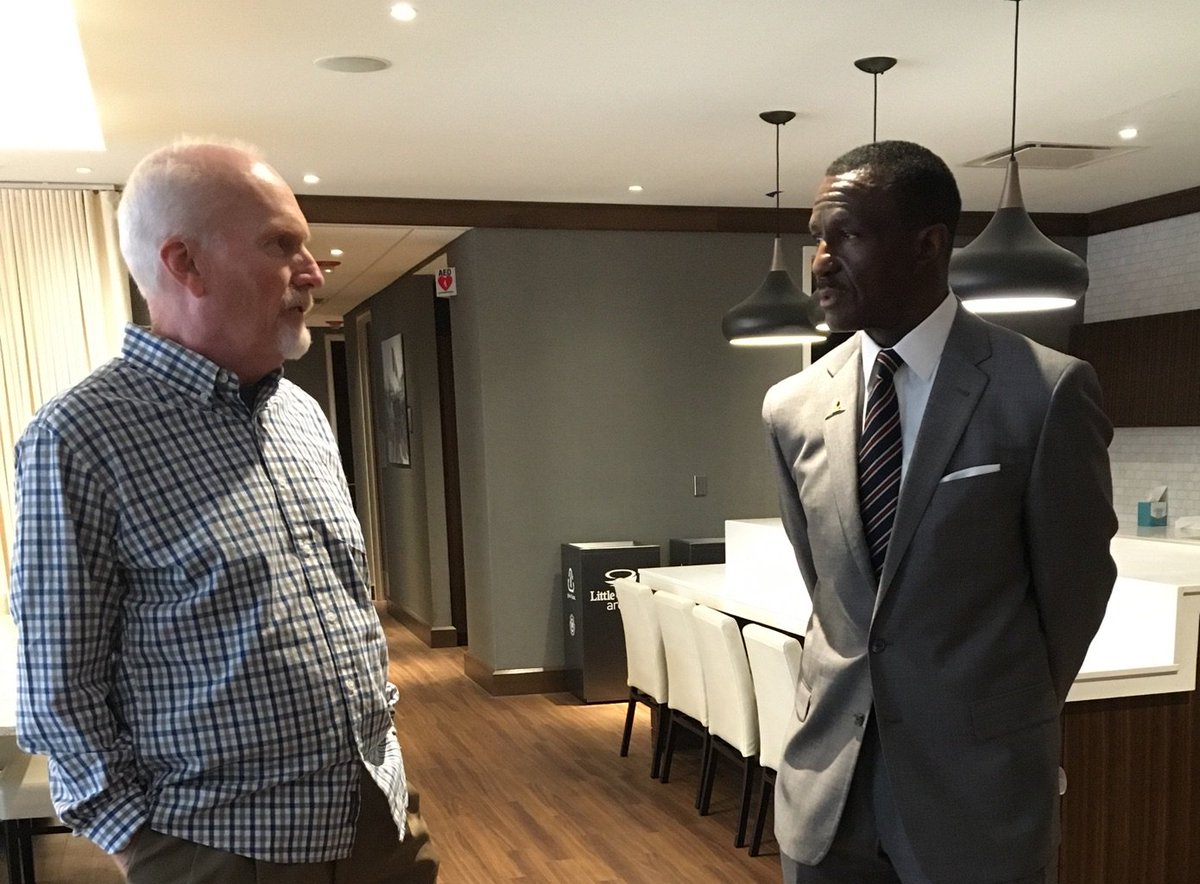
1141, 271
1145, 457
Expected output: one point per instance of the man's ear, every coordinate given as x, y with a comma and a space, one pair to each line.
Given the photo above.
933, 242
178, 256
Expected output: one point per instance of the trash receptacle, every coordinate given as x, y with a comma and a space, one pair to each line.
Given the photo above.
594, 639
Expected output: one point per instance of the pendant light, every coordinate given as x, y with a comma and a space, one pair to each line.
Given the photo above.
777, 313
1012, 267
875, 65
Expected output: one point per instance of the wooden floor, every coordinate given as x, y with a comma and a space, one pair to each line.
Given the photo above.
527, 789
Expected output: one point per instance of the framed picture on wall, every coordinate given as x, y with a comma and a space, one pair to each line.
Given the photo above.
395, 418
806, 258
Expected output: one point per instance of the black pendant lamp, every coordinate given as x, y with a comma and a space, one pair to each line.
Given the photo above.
777, 313
875, 65
1012, 267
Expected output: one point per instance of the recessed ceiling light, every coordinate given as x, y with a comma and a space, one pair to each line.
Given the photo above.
353, 64
403, 12
83, 170
635, 188
1128, 133
335, 252
310, 178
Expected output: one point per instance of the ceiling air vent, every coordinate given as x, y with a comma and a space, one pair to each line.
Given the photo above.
1047, 155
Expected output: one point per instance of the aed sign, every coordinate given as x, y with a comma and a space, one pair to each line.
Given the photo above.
447, 283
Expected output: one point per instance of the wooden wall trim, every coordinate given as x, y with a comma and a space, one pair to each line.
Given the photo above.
1156, 208
511, 682
443, 637
545, 215
401, 211
432, 636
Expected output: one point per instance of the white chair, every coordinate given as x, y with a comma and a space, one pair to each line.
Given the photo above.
645, 660
686, 702
775, 665
732, 712
25, 806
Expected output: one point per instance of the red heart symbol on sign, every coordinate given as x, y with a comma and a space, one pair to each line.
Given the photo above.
445, 280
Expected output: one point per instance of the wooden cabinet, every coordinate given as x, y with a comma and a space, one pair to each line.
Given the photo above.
1149, 367
1132, 808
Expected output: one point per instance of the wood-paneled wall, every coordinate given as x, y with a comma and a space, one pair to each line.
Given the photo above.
1131, 814
1149, 367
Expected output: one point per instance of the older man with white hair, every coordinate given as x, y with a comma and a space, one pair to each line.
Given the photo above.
199, 654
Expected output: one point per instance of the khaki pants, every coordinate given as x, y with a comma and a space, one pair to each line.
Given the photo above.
376, 858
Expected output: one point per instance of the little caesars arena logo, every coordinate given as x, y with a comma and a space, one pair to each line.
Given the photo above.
606, 597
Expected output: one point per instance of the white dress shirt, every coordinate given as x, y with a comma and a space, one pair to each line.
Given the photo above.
921, 350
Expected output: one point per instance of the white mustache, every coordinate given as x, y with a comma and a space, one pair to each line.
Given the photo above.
298, 298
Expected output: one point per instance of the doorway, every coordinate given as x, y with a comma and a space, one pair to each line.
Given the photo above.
368, 507
449, 426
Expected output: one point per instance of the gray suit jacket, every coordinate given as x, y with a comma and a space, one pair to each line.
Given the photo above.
994, 584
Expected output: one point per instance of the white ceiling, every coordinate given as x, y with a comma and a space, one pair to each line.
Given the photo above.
567, 100
373, 257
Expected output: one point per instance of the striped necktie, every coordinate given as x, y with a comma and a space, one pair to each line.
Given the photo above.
879, 457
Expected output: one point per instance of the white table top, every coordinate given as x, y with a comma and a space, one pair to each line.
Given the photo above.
8, 676
1147, 644
1148, 641
709, 585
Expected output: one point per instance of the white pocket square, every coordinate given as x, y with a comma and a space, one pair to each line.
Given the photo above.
981, 470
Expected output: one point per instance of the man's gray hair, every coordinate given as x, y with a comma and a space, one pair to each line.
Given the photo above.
173, 191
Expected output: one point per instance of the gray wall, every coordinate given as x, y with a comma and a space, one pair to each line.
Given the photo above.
311, 372
592, 383
411, 499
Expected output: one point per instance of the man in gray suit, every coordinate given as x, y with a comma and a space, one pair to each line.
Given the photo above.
957, 558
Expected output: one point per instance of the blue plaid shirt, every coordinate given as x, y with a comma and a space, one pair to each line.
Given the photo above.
198, 650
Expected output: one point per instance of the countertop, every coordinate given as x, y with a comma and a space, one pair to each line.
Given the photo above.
1147, 643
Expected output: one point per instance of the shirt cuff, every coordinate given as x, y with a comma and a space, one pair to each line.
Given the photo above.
113, 827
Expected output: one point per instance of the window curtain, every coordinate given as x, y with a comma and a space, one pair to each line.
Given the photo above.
64, 302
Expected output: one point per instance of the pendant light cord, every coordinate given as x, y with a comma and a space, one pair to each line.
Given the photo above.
875, 65
778, 222
1012, 143
875, 111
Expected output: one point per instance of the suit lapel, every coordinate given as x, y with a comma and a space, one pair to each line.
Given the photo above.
956, 390
842, 417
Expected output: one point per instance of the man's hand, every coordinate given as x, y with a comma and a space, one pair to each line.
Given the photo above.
123, 856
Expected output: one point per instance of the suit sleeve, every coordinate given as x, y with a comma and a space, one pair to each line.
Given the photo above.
1070, 522
795, 521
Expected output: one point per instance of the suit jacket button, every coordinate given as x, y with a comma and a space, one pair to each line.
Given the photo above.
878, 645
859, 719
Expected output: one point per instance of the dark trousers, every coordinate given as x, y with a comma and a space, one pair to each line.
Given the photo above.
378, 856
870, 846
